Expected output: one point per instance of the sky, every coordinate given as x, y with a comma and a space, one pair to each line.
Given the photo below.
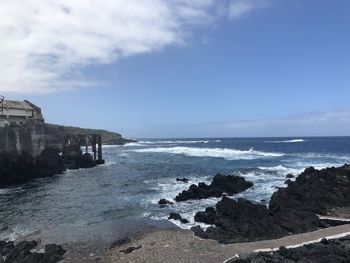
181, 68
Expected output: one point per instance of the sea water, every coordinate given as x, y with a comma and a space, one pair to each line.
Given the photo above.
137, 175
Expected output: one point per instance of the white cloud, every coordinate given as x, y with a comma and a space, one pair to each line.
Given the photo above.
44, 43
237, 8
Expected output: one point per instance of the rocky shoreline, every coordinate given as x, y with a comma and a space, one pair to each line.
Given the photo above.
292, 210
326, 251
221, 184
18, 168
27, 252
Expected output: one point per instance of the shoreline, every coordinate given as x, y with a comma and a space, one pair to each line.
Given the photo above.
165, 245
84, 240
312, 193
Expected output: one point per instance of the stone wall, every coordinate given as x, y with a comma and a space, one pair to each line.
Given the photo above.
28, 137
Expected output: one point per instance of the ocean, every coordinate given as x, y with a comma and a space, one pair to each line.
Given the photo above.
137, 175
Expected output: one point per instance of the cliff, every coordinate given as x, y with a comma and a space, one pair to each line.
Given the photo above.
54, 134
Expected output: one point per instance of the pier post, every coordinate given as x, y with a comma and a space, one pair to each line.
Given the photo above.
93, 141
99, 148
86, 144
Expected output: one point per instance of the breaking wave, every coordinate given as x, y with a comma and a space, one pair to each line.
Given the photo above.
174, 142
287, 141
228, 154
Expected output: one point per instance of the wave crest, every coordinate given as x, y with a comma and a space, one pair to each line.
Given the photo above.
228, 154
287, 141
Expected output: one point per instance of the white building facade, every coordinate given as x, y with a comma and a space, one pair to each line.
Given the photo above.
19, 112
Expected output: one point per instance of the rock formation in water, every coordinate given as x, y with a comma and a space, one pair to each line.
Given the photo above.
221, 184
292, 210
20, 168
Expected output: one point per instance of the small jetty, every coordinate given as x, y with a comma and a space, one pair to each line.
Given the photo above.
72, 153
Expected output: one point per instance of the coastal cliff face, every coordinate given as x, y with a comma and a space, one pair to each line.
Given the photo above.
54, 135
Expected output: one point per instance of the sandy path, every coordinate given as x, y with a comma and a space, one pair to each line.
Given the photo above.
181, 246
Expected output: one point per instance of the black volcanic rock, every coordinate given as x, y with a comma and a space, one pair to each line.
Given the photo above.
292, 210
174, 216
239, 221
315, 191
184, 180
326, 251
21, 252
220, 184
178, 217
50, 162
208, 216
20, 168
85, 161
164, 202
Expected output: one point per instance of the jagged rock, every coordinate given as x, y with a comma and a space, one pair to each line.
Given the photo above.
184, 180
288, 181
289, 176
174, 216
326, 251
221, 184
50, 162
177, 216
20, 168
75, 159
239, 221
292, 210
315, 191
85, 161
21, 252
163, 202
208, 216
184, 221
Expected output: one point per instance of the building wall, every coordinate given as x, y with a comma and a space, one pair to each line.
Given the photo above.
29, 137
9, 112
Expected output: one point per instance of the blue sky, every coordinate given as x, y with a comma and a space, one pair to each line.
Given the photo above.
242, 68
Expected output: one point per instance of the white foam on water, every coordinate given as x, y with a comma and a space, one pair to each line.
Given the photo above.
228, 154
169, 188
105, 146
187, 210
16, 233
282, 169
134, 144
174, 142
4, 191
336, 158
287, 141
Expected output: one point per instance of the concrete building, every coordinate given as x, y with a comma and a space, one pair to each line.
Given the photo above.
19, 112
21, 127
